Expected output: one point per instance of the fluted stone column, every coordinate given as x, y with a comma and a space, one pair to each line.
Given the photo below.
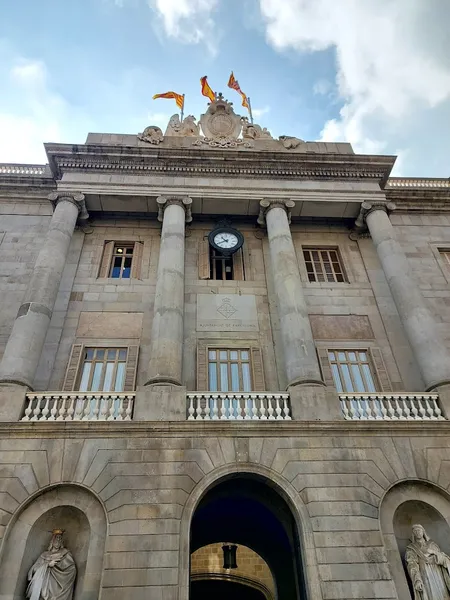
167, 329
299, 350
25, 344
421, 328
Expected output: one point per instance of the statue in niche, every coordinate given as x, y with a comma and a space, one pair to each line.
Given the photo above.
428, 567
186, 127
52, 577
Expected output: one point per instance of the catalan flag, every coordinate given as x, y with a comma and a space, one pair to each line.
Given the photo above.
234, 84
206, 90
179, 98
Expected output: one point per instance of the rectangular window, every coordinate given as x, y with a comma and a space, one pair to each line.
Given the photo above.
225, 268
352, 371
103, 370
445, 255
121, 262
229, 370
324, 265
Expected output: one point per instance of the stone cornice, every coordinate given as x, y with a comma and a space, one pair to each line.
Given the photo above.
217, 163
123, 429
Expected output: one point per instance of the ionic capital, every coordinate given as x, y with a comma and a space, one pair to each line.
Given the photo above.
76, 198
366, 209
184, 201
266, 205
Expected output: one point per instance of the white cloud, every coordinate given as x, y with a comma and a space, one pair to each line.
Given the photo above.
322, 87
188, 21
392, 59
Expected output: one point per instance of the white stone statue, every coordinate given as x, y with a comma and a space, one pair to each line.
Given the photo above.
428, 567
152, 135
253, 131
186, 127
52, 576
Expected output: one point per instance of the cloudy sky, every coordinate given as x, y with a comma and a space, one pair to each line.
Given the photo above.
375, 73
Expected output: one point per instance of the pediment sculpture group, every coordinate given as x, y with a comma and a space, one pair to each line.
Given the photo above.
218, 127
52, 576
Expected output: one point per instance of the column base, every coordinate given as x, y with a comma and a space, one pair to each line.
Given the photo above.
12, 401
313, 401
160, 402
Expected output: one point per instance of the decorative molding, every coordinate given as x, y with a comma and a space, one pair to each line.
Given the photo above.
184, 201
76, 198
152, 135
266, 205
222, 142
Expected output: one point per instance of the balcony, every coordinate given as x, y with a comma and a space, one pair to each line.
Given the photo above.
79, 406
392, 407
263, 406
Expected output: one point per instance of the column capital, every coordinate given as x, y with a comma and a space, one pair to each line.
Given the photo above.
184, 201
266, 205
76, 198
367, 207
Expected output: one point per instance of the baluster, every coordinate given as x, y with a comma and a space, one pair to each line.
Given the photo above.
62, 409
359, 409
199, 410
233, 398
240, 410
37, 409
262, 408
399, 409
286, 411
103, 405
344, 409
87, 407
253, 400
278, 408
215, 409
406, 409
129, 409
377, 408
78, 408
191, 409
353, 406
270, 408
390, 409
422, 411
46, 409
113, 409
429, 409
415, 412
382, 400
368, 404
223, 405
54, 409
28, 409
246, 400
437, 409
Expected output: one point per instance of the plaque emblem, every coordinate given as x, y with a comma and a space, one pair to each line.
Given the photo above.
226, 309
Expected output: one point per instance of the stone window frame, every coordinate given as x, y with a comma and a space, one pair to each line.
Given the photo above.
438, 248
104, 267
240, 262
75, 363
315, 243
256, 361
382, 380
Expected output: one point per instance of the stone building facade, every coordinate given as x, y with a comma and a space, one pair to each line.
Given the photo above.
161, 394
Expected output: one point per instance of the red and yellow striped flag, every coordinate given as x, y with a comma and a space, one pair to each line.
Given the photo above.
179, 98
206, 90
234, 85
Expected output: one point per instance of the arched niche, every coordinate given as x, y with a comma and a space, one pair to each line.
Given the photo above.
405, 504
69, 507
309, 581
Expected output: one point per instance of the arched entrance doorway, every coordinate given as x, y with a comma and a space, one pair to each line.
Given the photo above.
247, 510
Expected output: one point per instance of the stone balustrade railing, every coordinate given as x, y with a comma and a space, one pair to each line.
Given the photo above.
391, 407
238, 406
6, 169
409, 182
79, 406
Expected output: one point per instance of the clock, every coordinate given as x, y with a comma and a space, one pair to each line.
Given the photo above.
226, 240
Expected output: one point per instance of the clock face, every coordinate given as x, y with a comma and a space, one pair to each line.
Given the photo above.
226, 240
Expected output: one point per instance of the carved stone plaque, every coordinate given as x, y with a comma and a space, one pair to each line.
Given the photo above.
226, 312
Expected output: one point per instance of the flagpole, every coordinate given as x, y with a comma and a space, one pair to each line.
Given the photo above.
250, 109
182, 110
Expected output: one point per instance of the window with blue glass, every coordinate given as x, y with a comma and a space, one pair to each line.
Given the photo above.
122, 260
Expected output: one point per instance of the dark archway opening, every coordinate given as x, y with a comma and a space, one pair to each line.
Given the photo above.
245, 509
224, 590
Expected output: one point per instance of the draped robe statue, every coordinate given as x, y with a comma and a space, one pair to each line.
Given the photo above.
52, 576
428, 567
